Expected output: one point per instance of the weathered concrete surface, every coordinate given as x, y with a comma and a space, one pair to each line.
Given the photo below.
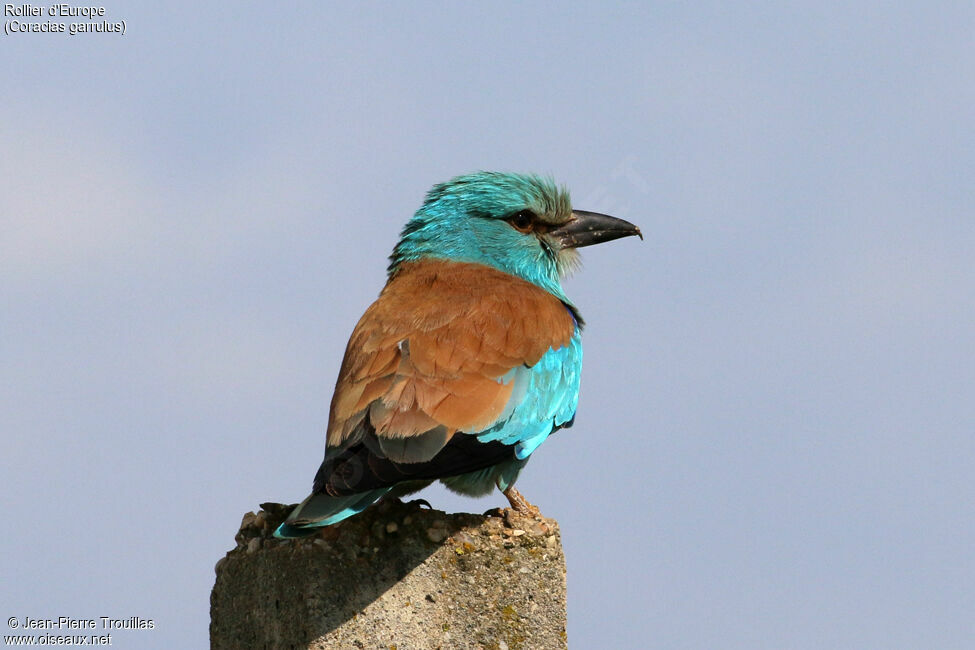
396, 576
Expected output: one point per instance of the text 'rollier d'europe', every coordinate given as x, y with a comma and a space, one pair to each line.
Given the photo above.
55, 11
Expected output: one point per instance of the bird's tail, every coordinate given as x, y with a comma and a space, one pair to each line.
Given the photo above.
320, 510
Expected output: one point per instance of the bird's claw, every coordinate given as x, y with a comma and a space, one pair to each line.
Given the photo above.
520, 504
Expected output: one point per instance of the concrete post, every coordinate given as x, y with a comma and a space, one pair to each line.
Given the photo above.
396, 576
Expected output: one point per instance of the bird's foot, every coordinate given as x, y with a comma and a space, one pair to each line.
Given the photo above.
421, 503
520, 504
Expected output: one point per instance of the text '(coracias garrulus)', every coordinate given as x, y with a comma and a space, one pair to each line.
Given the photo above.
470, 357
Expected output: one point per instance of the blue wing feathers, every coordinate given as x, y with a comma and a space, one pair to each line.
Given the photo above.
549, 393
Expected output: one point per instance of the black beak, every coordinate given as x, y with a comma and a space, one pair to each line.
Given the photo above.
588, 228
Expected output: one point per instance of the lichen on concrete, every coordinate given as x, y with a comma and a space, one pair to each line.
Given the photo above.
397, 575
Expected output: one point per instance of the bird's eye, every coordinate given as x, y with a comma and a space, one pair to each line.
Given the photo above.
522, 221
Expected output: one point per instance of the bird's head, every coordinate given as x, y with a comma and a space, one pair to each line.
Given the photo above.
519, 224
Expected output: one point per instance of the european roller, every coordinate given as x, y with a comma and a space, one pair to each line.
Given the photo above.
470, 357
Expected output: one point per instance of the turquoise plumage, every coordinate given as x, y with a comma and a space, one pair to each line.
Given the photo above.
470, 357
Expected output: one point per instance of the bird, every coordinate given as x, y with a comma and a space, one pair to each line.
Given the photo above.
471, 355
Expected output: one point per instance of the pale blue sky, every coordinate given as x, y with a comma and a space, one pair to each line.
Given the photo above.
776, 434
